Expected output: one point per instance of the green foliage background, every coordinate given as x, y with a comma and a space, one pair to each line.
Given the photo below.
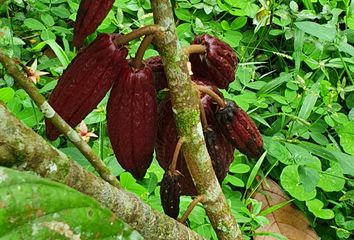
295, 79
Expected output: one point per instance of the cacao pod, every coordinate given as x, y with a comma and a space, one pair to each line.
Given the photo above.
219, 62
155, 63
220, 150
170, 192
132, 119
240, 130
90, 15
86, 81
166, 142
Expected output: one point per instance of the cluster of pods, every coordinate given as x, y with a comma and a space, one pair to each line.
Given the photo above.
137, 123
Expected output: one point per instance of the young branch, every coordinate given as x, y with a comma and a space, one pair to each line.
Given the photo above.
213, 95
23, 148
185, 102
190, 208
194, 48
141, 50
56, 120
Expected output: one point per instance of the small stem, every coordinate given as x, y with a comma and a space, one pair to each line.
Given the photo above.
202, 116
124, 39
25, 83
141, 50
212, 94
173, 164
195, 48
191, 206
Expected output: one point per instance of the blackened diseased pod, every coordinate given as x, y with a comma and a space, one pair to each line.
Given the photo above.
218, 64
155, 63
240, 130
86, 81
132, 119
90, 15
170, 192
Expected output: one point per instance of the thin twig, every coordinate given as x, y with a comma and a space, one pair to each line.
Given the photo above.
202, 116
56, 120
194, 48
212, 94
173, 164
141, 50
124, 39
190, 208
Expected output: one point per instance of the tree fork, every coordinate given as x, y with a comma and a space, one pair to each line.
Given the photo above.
185, 103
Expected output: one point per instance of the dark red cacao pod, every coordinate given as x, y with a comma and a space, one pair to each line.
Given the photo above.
165, 146
170, 192
240, 130
132, 120
219, 62
86, 81
155, 63
90, 15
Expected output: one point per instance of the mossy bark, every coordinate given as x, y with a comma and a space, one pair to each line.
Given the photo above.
22, 148
185, 102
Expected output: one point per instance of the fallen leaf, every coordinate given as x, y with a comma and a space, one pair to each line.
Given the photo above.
287, 220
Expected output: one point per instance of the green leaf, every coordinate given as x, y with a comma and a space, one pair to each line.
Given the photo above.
183, 14
235, 181
332, 179
299, 155
59, 52
6, 94
290, 180
320, 31
346, 136
33, 24
309, 178
316, 207
239, 168
47, 19
32, 206
275, 83
255, 170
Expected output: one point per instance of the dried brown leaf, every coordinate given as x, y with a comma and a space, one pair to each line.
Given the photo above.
288, 220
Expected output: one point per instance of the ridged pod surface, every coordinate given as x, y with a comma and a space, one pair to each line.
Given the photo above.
86, 81
240, 130
155, 63
90, 15
219, 62
132, 119
165, 146
170, 192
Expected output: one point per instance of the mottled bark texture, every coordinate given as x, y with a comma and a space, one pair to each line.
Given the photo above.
23, 148
185, 103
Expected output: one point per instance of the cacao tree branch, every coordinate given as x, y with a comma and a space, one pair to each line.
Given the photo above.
56, 120
124, 39
212, 94
23, 148
198, 199
185, 104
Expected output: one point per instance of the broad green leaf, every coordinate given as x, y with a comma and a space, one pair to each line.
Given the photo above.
275, 83
299, 155
316, 207
320, 31
348, 196
239, 168
6, 94
30, 116
33, 24
309, 178
346, 136
32, 206
290, 180
309, 102
235, 181
332, 179
47, 19
277, 150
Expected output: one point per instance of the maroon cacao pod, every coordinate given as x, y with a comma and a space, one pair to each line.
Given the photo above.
86, 81
89, 16
240, 130
170, 192
131, 120
155, 63
219, 62
165, 146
